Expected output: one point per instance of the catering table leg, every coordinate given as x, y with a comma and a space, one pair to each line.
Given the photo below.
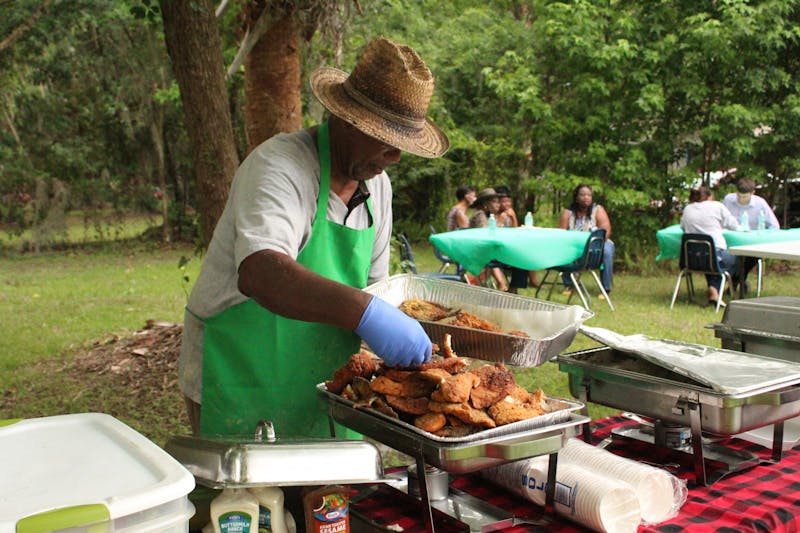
550, 489
777, 442
697, 444
425, 502
740, 270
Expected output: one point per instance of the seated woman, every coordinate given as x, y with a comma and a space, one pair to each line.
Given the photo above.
485, 204
507, 218
584, 215
457, 216
704, 215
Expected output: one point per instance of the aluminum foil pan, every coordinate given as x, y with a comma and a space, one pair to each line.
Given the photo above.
560, 411
551, 327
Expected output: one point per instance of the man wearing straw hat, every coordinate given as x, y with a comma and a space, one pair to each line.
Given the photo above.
277, 307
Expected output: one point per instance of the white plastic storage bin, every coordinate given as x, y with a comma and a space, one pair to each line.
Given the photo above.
89, 473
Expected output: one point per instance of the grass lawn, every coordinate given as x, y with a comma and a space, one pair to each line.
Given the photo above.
54, 306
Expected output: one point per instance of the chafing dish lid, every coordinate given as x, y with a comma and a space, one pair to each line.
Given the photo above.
229, 461
771, 316
725, 371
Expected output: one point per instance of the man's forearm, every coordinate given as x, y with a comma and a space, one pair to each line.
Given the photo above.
287, 288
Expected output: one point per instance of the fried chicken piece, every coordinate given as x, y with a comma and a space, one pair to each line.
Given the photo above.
456, 431
520, 405
410, 388
495, 382
430, 422
434, 375
519, 394
448, 346
507, 412
468, 320
464, 412
395, 374
382, 407
360, 364
412, 406
453, 365
456, 388
424, 310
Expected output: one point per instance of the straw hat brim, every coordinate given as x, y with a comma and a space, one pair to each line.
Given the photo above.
428, 141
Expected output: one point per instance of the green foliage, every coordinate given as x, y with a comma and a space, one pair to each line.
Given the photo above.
640, 99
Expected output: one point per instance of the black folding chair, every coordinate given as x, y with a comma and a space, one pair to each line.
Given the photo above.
590, 261
699, 255
409, 265
443, 259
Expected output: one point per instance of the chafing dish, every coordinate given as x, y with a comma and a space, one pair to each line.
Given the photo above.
551, 327
662, 389
766, 326
541, 435
527, 438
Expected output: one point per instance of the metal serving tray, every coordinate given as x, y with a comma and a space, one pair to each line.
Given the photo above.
528, 438
620, 379
767, 326
551, 326
228, 462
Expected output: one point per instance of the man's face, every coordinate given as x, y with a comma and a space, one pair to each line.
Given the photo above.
744, 198
368, 156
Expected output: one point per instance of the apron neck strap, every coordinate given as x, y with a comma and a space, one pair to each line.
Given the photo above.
324, 153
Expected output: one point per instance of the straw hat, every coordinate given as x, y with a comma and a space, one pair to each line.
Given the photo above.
484, 196
386, 96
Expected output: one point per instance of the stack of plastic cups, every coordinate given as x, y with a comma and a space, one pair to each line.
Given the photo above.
583, 496
660, 494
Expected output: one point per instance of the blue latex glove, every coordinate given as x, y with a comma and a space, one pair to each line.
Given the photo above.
394, 336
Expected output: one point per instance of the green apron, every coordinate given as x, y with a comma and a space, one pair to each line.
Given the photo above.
258, 365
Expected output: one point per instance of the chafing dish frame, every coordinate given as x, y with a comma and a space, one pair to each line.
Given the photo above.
458, 457
689, 404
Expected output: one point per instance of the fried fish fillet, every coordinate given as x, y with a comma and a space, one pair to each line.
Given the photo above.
424, 310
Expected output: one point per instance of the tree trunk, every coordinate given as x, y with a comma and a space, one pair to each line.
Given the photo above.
195, 49
272, 83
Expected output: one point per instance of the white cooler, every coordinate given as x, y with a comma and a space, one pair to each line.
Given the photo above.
88, 473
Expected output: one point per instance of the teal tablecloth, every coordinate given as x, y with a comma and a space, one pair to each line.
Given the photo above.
669, 239
525, 248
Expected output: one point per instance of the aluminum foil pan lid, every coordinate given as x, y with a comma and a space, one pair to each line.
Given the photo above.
725, 371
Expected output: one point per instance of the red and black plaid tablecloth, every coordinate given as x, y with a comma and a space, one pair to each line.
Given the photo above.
765, 498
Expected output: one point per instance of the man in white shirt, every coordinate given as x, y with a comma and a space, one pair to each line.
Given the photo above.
744, 200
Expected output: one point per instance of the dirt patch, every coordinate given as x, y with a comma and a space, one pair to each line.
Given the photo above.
148, 359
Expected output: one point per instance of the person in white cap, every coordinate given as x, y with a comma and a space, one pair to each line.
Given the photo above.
278, 305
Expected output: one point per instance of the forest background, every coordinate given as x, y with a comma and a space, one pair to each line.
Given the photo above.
641, 99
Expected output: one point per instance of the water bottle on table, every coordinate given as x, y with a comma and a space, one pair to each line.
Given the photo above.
492, 221
528, 220
744, 222
762, 221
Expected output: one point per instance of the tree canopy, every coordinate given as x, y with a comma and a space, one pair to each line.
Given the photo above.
638, 98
